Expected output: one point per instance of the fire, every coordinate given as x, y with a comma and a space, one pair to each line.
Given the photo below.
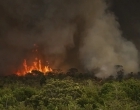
36, 64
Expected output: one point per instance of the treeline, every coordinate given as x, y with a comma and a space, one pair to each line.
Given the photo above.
70, 94
71, 73
72, 90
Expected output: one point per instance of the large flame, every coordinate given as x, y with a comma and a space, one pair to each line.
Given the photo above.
35, 65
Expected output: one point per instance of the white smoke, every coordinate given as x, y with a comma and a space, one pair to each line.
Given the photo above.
104, 47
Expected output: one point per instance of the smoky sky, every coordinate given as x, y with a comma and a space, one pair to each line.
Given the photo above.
128, 15
77, 33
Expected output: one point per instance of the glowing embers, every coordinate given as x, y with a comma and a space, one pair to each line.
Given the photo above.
36, 65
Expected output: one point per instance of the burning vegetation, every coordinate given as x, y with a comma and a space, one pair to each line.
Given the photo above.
36, 64
83, 34
80, 36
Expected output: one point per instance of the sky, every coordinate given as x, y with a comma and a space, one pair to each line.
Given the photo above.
71, 33
128, 15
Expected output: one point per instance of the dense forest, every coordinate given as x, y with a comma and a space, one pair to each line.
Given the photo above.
69, 91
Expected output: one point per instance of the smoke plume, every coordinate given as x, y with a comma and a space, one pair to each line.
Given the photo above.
71, 33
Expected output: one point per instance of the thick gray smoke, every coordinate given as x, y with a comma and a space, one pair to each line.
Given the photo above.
76, 33
104, 47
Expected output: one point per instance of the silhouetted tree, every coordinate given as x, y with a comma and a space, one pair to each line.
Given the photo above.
72, 72
120, 72
130, 75
42, 80
120, 75
37, 73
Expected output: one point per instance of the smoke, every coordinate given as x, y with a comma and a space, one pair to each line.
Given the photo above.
104, 47
76, 33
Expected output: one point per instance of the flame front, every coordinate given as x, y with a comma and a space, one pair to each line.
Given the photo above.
36, 65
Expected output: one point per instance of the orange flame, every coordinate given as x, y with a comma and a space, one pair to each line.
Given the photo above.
36, 65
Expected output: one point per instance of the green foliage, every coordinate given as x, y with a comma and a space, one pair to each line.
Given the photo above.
90, 97
57, 92
7, 100
132, 88
22, 93
69, 94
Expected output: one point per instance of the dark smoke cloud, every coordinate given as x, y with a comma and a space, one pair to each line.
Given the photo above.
76, 33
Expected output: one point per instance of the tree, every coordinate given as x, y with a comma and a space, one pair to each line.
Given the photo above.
120, 72
72, 72
56, 92
42, 80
